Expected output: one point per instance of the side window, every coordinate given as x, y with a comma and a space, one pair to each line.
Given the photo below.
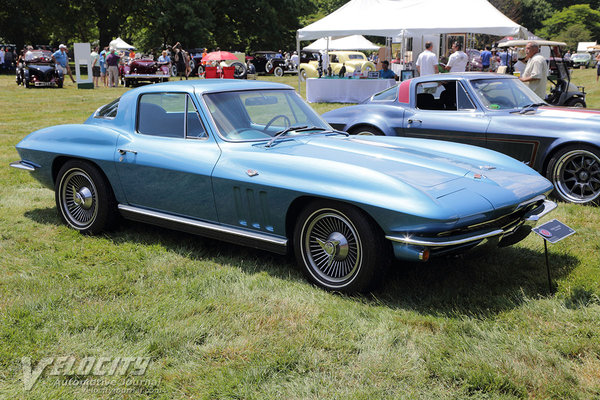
432, 95
109, 110
390, 94
162, 114
463, 100
195, 129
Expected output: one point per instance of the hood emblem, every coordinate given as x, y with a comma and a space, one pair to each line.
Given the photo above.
477, 176
251, 172
487, 167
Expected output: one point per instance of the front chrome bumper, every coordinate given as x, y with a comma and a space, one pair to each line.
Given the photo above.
26, 165
408, 246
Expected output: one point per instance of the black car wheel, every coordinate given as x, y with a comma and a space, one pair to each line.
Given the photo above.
366, 130
240, 70
269, 67
339, 248
278, 71
575, 102
575, 173
84, 198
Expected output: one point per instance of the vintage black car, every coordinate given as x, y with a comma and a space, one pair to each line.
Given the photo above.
268, 62
39, 70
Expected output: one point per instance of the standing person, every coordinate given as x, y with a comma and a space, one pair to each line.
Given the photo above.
102, 62
458, 59
112, 61
536, 70
597, 66
504, 58
1, 58
95, 58
486, 56
61, 59
520, 64
427, 63
186, 59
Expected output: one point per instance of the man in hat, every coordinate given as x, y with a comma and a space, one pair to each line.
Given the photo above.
61, 59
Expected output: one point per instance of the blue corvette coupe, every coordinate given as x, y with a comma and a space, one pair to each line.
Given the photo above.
495, 111
251, 163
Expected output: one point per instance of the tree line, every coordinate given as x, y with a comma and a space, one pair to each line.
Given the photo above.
235, 25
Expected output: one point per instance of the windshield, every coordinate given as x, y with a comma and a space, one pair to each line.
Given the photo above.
38, 55
503, 94
261, 114
356, 57
581, 57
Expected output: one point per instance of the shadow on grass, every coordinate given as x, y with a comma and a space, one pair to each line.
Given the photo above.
478, 283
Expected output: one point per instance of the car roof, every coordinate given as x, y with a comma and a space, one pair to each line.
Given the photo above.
209, 85
463, 75
523, 42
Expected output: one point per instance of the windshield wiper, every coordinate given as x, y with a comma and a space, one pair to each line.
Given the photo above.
285, 132
303, 128
530, 107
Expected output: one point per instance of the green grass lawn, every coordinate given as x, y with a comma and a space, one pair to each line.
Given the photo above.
221, 321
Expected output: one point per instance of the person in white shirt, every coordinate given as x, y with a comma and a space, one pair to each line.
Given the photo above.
536, 70
427, 63
520, 64
458, 59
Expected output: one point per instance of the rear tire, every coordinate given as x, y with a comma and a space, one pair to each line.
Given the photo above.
84, 198
576, 102
340, 248
575, 173
303, 75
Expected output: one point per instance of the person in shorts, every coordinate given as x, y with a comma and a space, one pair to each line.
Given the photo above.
61, 59
94, 58
102, 62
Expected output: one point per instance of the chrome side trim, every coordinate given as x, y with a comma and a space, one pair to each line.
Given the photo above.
443, 243
24, 165
216, 231
146, 76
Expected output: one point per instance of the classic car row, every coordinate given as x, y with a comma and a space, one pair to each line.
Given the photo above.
250, 162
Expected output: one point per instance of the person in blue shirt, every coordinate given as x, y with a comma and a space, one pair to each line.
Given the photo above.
486, 55
61, 59
386, 72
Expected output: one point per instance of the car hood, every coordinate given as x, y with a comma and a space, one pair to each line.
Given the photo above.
41, 67
563, 113
475, 174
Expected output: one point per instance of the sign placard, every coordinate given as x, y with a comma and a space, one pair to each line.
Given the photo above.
553, 231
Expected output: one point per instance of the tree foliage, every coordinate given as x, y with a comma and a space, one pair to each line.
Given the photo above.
574, 34
580, 14
231, 24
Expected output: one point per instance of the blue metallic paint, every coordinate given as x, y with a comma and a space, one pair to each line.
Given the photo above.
405, 185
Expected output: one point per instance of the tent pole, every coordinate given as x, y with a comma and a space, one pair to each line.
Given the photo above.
299, 62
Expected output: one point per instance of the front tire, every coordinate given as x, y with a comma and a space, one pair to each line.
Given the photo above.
575, 173
366, 131
303, 75
339, 248
278, 71
84, 198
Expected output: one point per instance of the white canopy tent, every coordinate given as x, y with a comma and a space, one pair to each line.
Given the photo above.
120, 44
397, 18
353, 42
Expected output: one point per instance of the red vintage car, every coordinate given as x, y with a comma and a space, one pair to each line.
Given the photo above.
140, 70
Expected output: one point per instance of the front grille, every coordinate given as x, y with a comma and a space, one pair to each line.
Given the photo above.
504, 222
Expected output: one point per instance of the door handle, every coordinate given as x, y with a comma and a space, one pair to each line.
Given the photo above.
412, 121
123, 151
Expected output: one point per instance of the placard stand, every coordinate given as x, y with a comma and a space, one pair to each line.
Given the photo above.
552, 231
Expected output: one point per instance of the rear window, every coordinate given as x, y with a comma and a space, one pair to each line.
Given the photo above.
109, 110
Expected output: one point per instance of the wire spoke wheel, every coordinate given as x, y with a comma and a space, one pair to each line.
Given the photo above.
333, 247
339, 247
576, 176
79, 200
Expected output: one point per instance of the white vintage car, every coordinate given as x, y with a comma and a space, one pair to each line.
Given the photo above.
351, 59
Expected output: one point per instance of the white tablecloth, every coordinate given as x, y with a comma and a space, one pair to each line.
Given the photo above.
344, 90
